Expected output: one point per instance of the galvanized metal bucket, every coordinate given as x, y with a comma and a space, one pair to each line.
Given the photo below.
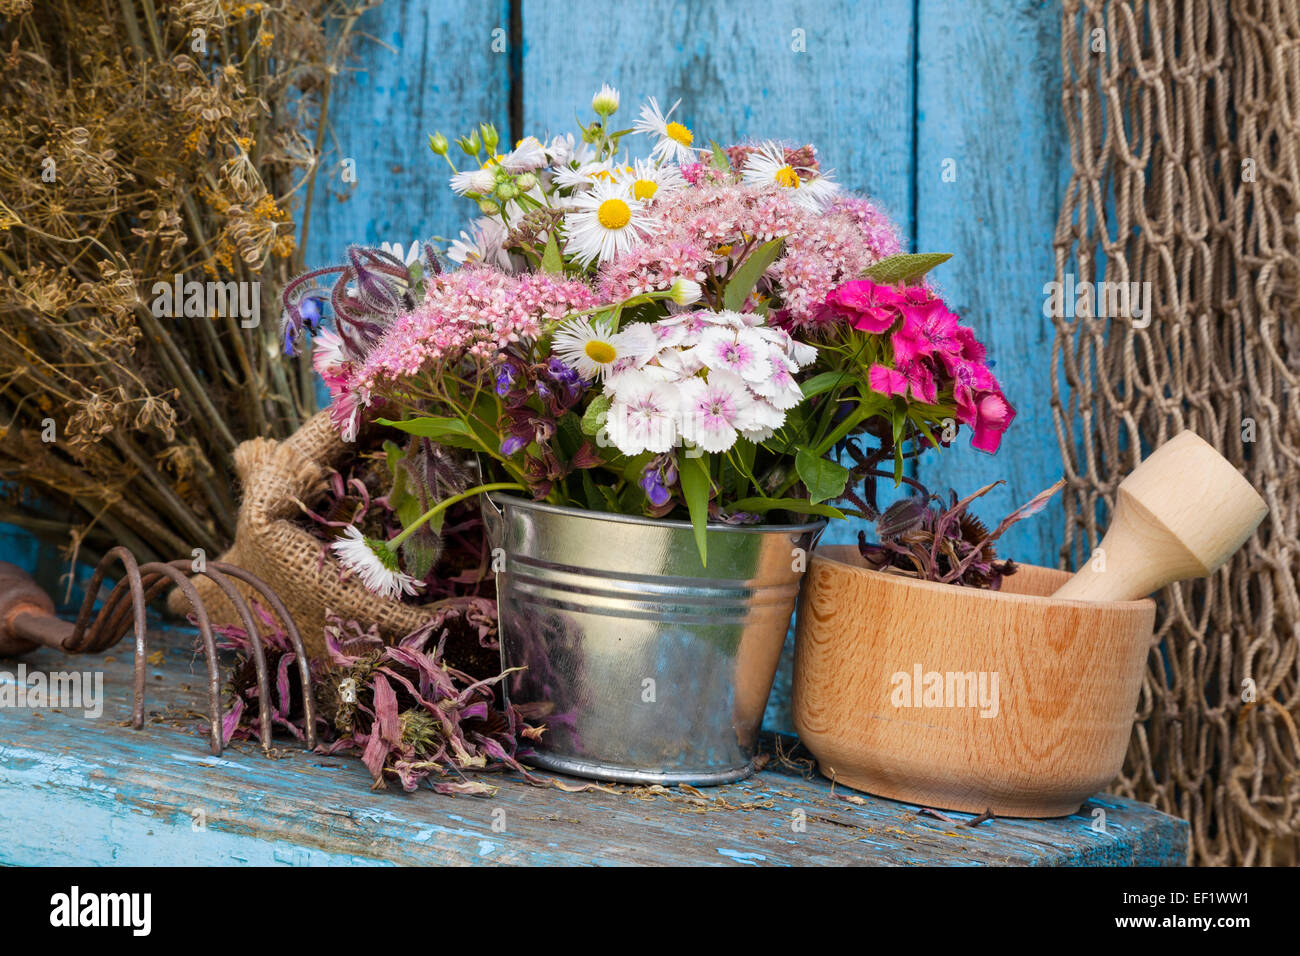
645, 666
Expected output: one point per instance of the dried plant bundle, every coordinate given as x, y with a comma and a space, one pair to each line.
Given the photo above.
147, 147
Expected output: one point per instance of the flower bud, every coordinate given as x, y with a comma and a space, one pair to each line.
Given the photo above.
685, 291
488, 207
470, 144
490, 137
526, 181
605, 102
438, 143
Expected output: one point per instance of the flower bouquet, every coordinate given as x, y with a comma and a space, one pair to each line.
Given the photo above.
658, 362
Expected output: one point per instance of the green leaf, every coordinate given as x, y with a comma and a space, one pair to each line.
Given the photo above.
593, 419
694, 476
595, 500
751, 270
905, 269
824, 478
552, 261
797, 505
719, 156
429, 427
824, 383
420, 551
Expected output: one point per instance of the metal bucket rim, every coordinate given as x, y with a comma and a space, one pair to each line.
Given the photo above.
812, 526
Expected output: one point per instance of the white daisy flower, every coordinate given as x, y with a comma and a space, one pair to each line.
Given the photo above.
375, 564
485, 242
408, 257
639, 345
479, 181
674, 139
643, 416
528, 156
591, 348
645, 181
766, 166
605, 102
585, 175
715, 411
603, 223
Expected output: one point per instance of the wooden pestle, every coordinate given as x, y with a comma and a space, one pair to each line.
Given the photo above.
1180, 514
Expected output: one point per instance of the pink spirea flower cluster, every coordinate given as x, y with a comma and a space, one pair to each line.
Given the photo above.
474, 311
703, 230
932, 352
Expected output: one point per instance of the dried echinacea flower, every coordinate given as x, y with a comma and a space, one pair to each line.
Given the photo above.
922, 537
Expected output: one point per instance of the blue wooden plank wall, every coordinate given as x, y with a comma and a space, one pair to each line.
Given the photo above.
945, 111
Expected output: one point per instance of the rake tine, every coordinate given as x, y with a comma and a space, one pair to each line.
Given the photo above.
254, 638
209, 646
291, 629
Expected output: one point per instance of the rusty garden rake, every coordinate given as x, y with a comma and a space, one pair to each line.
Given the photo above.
27, 621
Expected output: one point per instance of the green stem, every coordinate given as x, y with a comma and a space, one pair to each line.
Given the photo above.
443, 505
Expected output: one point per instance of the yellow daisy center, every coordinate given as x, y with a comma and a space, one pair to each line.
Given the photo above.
644, 189
614, 214
679, 133
787, 177
600, 352
603, 174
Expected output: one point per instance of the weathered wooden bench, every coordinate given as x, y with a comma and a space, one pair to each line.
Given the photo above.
94, 791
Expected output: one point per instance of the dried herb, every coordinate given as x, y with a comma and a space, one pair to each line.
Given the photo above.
921, 536
409, 715
138, 143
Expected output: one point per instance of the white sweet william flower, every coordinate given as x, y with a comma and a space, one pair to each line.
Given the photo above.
604, 223
738, 351
673, 140
766, 166
780, 389
764, 421
375, 564
643, 416
716, 410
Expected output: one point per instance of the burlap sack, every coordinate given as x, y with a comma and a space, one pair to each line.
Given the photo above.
306, 577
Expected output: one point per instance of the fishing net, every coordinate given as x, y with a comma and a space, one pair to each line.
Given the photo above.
1184, 126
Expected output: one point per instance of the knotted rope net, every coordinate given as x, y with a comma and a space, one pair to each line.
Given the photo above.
1184, 126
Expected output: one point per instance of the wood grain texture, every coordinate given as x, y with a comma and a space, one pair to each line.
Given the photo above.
440, 73
988, 99
1182, 513
80, 791
1057, 683
738, 76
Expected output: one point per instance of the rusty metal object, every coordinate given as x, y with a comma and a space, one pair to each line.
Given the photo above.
27, 622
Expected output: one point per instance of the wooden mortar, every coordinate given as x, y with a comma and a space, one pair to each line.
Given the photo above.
1068, 677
